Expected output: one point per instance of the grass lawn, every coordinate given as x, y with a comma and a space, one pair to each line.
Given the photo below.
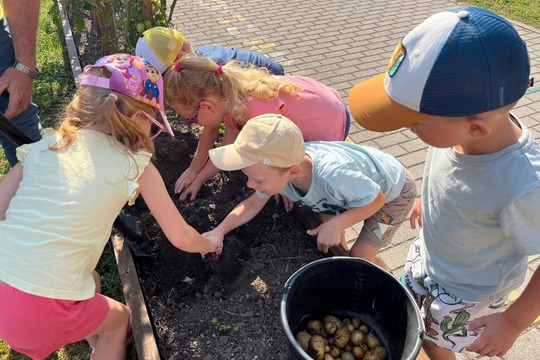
52, 92
525, 11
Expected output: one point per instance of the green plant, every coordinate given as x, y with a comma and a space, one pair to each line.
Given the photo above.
4, 165
55, 87
224, 327
119, 22
188, 280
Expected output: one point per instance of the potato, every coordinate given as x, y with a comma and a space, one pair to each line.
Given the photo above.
302, 337
316, 347
356, 322
342, 337
350, 327
328, 357
380, 352
330, 327
358, 337
334, 351
372, 341
315, 327
333, 319
347, 356
370, 355
358, 352
363, 328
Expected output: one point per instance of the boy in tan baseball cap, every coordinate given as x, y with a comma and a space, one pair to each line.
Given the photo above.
345, 183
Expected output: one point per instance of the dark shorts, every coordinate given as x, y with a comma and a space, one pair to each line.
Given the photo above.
379, 229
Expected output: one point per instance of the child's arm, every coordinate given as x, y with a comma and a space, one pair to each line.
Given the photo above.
8, 187
179, 233
206, 142
502, 329
208, 172
329, 233
241, 214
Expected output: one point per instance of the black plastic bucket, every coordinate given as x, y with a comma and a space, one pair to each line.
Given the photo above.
352, 287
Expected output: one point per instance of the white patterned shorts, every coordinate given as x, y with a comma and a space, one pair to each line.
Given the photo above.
445, 315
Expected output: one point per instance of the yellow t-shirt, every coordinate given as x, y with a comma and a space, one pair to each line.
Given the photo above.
60, 219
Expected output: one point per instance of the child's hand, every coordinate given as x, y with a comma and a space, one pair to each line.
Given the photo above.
216, 238
185, 180
327, 236
287, 203
416, 214
191, 191
498, 335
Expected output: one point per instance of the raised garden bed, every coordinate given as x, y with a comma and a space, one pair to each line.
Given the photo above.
221, 309
197, 309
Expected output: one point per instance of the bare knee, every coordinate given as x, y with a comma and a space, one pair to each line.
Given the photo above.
116, 322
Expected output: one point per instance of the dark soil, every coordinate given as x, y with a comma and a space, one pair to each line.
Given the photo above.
226, 308
220, 309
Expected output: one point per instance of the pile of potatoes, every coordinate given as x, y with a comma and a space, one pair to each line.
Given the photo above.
333, 338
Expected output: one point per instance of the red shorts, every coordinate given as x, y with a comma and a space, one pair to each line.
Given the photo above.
37, 326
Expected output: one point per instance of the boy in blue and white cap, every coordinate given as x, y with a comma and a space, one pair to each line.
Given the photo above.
453, 81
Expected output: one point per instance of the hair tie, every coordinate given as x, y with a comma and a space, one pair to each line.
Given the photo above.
113, 95
181, 54
177, 67
219, 70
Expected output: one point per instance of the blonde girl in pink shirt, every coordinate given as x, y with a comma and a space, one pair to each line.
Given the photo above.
210, 95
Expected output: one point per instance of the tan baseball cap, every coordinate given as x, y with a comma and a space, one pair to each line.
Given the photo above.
270, 139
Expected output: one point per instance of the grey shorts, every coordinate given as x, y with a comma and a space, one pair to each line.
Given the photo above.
379, 229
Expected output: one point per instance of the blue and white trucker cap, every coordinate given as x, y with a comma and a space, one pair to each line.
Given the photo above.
456, 63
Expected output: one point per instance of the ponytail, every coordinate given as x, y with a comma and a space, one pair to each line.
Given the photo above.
193, 78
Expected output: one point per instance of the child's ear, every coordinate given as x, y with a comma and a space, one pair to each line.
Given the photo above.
479, 127
294, 171
208, 105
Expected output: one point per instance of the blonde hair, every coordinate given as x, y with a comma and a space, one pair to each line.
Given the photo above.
194, 77
108, 112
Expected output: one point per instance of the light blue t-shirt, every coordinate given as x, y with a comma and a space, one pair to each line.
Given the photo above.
346, 175
480, 218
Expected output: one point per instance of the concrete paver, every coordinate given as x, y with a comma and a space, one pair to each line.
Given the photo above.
341, 42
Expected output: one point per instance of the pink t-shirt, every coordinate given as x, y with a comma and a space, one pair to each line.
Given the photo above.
317, 110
